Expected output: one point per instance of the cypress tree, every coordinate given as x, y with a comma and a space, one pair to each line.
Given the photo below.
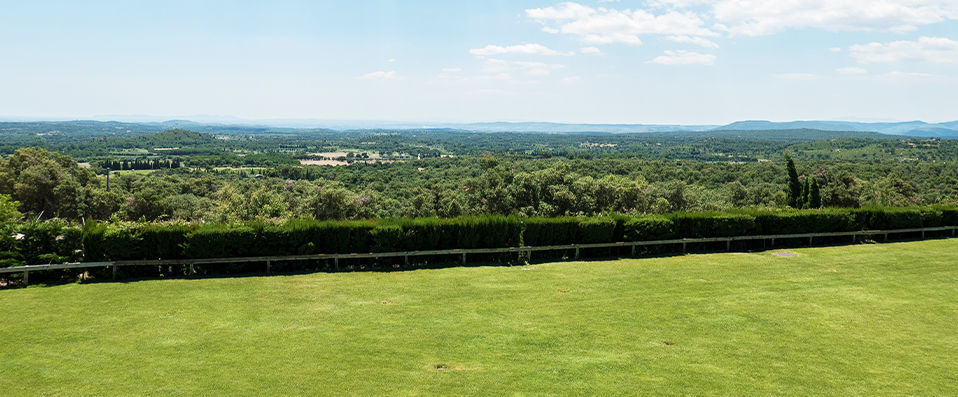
806, 191
794, 185
815, 201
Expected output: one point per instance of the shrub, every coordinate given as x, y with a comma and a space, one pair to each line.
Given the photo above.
550, 231
648, 228
803, 221
712, 224
888, 218
596, 230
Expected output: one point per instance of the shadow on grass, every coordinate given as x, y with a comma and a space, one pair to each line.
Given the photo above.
279, 268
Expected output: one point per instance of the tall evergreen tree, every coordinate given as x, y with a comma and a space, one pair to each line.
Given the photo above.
806, 191
815, 200
794, 185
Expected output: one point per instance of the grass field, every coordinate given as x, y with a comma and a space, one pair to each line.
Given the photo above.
859, 320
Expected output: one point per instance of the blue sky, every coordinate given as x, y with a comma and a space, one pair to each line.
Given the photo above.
655, 61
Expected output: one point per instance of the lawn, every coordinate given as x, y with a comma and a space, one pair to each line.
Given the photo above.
862, 320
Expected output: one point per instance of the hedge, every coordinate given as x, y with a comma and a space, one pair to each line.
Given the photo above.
57, 241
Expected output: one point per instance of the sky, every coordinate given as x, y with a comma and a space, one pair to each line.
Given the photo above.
651, 61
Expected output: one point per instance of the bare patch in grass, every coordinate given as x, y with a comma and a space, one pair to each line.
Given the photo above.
667, 343
562, 291
386, 302
444, 367
785, 254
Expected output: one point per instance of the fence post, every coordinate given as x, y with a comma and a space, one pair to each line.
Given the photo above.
683, 247
463, 258
728, 244
114, 272
810, 240
192, 270
854, 238
922, 234
953, 230
633, 249
26, 277
336, 263
772, 245
886, 237
577, 252
268, 270
406, 260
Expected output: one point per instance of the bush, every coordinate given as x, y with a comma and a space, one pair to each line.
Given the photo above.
888, 218
648, 228
550, 231
57, 241
803, 221
712, 224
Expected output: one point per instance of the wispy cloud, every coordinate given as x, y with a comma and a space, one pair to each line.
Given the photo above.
699, 41
682, 57
590, 50
851, 70
523, 49
925, 49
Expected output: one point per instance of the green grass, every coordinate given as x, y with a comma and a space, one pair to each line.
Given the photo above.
857, 320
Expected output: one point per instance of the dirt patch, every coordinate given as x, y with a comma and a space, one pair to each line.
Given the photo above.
444, 367
562, 291
667, 343
323, 162
785, 254
386, 302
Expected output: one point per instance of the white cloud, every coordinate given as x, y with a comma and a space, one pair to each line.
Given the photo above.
606, 26
379, 75
571, 79
926, 49
391, 60
798, 76
699, 41
590, 50
503, 68
681, 57
903, 75
851, 70
762, 17
524, 49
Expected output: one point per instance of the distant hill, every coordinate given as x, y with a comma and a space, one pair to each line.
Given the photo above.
907, 128
66, 130
782, 135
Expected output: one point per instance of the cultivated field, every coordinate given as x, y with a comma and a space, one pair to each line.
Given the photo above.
860, 320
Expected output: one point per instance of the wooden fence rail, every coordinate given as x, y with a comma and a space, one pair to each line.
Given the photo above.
527, 250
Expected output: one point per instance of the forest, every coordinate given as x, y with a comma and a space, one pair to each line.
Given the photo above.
71, 174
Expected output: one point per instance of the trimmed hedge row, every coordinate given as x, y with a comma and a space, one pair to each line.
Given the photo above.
303, 236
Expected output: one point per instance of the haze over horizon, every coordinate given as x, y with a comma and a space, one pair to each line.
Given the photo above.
687, 62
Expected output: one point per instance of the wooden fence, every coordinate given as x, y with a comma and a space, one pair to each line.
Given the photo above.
527, 251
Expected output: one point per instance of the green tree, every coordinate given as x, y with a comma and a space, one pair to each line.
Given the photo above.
794, 185
8, 209
815, 198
